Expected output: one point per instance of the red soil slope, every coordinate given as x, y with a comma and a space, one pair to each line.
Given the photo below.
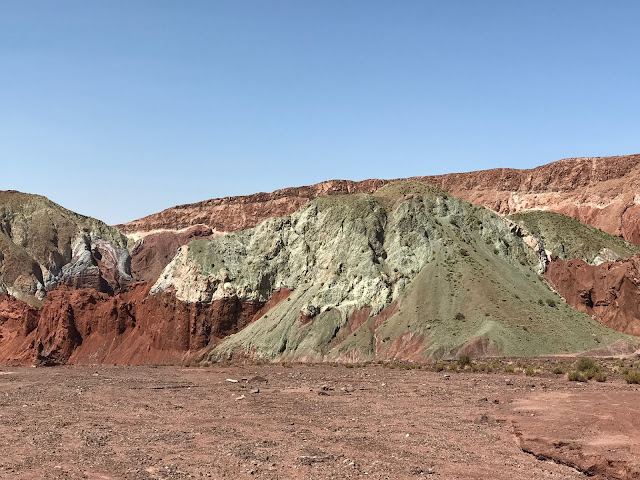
86, 326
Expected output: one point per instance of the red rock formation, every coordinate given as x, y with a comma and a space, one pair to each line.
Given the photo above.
85, 326
17, 320
231, 214
597, 191
609, 292
153, 252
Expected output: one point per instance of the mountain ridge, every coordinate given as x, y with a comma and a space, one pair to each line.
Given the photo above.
373, 270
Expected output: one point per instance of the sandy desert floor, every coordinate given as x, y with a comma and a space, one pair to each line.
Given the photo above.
312, 422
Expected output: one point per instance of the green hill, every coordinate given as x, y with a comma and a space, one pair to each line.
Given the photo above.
569, 238
409, 272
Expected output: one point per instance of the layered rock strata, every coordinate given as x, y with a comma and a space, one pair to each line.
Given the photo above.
601, 192
459, 276
608, 292
85, 326
43, 245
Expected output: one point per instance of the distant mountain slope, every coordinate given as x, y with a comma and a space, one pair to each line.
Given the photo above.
583, 188
571, 239
409, 272
43, 244
600, 192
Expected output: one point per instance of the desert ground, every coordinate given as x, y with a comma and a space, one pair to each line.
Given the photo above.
312, 422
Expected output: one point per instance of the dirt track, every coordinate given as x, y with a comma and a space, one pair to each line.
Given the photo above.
309, 422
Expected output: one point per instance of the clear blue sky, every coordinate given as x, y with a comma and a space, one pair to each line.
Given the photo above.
118, 109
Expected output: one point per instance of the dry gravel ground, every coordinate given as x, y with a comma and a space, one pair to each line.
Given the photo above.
309, 422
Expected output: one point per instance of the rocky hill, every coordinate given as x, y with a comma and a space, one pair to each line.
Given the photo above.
43, 245
599, 192
339, 271
408, 272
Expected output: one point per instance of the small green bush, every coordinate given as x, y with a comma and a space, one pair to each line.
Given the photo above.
587, 369
576, 376
600, 377
633, 377
585, 364
464, 360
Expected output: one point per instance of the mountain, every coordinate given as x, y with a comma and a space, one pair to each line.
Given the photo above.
409, 272
338, 271
43, 245
600, 192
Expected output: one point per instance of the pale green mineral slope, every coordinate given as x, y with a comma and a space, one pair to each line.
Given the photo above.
437, 273
569, 238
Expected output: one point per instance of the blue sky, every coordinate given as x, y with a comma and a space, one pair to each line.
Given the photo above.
118, 109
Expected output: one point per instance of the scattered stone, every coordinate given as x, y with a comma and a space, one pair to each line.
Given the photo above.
484, 419
258, 379
241, 397
255, 390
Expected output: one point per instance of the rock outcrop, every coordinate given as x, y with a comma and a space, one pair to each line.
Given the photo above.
432, 272
85, 326
608, 292
339, 271
569, 239
43, 245
596, 191
600, 192
152, 252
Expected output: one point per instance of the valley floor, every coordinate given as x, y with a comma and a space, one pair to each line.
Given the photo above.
311, 422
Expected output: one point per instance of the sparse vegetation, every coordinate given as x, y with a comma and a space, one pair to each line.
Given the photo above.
464, 360
632, 377
440, 366
569, 238
587, 369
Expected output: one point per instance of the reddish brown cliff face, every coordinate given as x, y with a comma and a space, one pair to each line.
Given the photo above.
154, 251
598, 191
86, 326
609, 292
232, 214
